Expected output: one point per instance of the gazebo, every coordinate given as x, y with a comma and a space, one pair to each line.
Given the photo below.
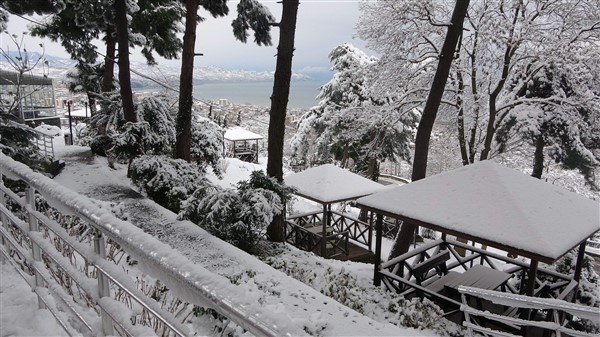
495, 206
241, 144
327, 232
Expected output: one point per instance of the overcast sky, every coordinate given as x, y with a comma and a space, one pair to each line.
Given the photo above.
322, 25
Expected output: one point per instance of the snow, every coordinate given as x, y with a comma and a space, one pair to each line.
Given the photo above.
489, 201
329, 183
19, 313
238, 133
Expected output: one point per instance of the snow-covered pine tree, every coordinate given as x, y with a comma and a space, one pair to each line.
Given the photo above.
353, 120
207, 144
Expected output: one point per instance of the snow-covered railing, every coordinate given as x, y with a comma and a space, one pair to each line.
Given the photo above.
75, 251
44, 144
554, 319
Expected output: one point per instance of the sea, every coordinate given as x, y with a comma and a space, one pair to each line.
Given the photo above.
302, 93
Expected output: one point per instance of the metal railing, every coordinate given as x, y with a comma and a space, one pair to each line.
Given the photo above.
76, 251
44, 144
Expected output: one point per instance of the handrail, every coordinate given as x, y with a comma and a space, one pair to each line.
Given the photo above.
525, 302
198, 285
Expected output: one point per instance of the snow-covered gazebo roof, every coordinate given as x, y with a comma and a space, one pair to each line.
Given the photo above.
238, 134
328, 184
495, 205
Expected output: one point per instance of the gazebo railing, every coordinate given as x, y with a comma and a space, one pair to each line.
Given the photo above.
301, 237
309, 219
359, 231
402, 273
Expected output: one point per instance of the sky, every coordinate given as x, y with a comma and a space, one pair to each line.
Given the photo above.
321, 25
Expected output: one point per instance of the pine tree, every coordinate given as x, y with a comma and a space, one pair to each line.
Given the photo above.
251, 15
279, 101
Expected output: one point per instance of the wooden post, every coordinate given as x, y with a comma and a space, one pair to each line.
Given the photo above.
531, 276
579, 263
324, 230
378, 235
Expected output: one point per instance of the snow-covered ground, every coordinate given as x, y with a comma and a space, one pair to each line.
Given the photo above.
19, 313
303, 303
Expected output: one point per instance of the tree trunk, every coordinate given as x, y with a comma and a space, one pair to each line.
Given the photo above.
124, 75
372, 169
405, 235
538, 157
109, 60
184, 116
510, 50
460, 120
279, 101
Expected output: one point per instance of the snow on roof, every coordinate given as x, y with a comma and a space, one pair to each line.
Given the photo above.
329, 183
497, 204
237, 133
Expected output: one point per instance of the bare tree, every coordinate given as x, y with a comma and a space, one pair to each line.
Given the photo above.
405, 235
22, 62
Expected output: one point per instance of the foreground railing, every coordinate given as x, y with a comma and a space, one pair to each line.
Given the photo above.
83, 257
549, 316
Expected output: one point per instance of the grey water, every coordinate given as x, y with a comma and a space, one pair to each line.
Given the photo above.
302, 93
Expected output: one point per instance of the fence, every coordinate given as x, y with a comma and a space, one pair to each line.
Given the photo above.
84, 257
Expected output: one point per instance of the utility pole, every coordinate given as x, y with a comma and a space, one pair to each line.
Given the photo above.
70, 122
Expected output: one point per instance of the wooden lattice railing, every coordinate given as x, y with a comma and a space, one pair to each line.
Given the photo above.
304, 232
359, 231
399, 274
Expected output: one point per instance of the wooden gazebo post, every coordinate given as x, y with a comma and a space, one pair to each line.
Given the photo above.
378, 235
326, 223
579, 263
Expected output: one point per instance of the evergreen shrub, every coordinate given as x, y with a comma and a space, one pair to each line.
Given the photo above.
240, 216
165, 180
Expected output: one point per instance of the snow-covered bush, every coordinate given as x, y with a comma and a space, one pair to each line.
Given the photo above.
160, 123
589, 284
166, 180
103, 123
207, 143
238, 217
344, 286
